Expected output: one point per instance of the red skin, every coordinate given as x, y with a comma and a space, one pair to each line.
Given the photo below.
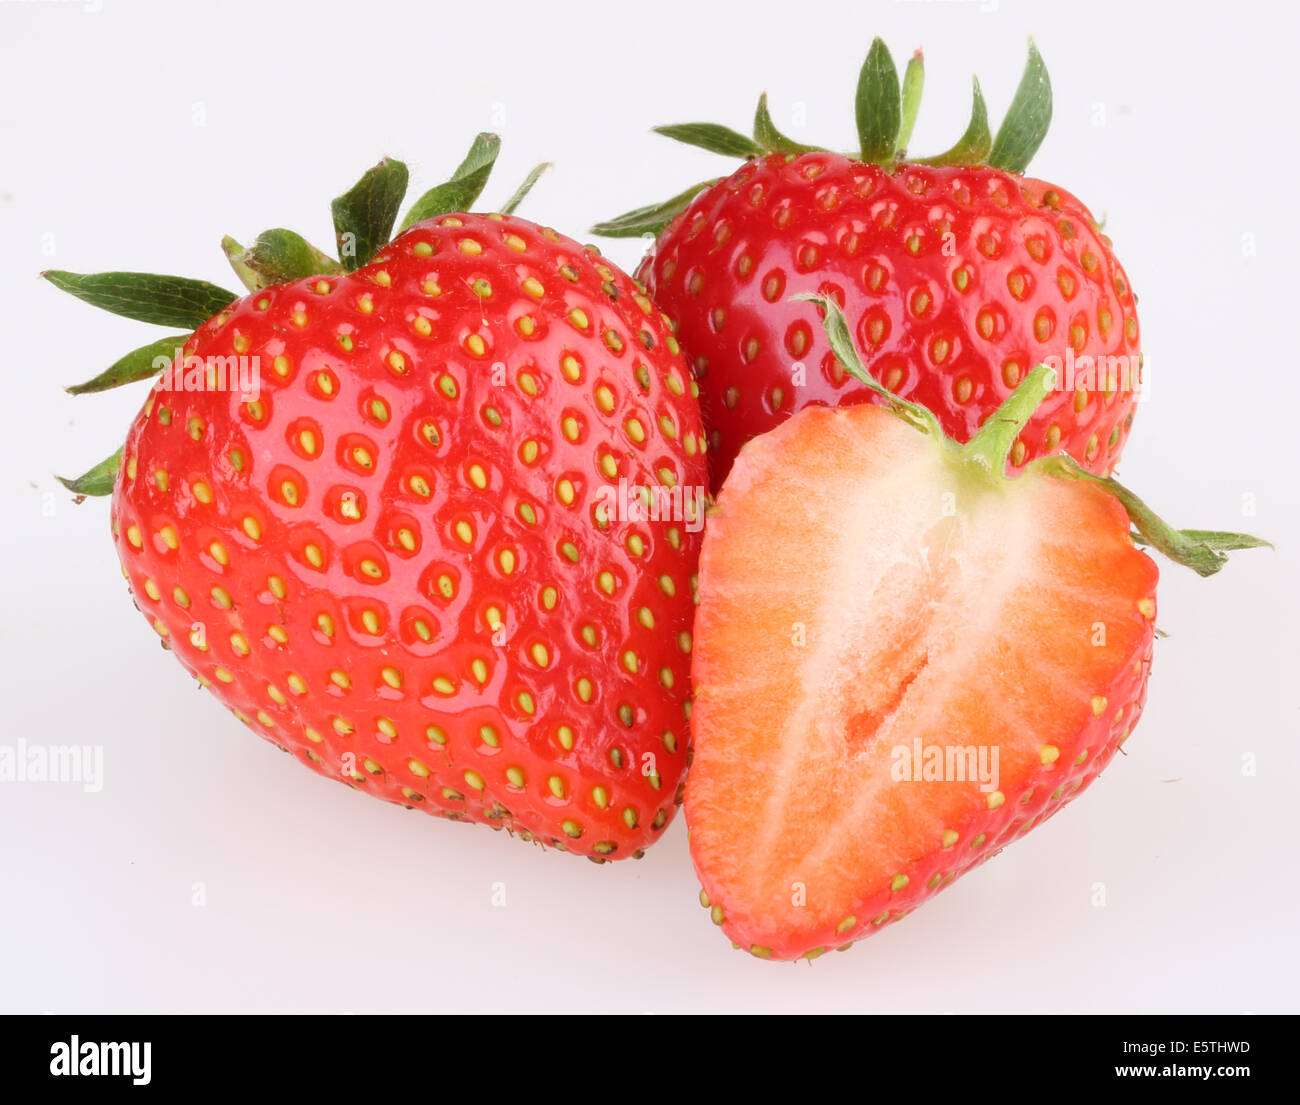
832, 225
618, 752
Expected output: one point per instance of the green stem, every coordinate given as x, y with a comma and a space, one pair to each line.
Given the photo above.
991, 445
1204, 551
841, 343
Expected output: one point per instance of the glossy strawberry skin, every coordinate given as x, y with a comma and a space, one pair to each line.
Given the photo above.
956, 282
393, 563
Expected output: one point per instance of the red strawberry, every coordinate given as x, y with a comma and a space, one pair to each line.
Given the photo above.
958, 275
404, 560
904, 661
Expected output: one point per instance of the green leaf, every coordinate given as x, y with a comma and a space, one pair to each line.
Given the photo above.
464, 187
523, 190
99, 480
878, 105
277, 257
146, 297
364, 215
1204, 551
973, 146
771, 139
1027, 120
913, 82
712, 137
139, 364
653, 218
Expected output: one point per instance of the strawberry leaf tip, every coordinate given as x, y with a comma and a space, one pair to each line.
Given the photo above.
98, 480
972, 148
139, 364
769, 138
913, 83
1026, 122
712, 137
464, 187
146, 297
878, 105
364, 215
652, 218
527, 186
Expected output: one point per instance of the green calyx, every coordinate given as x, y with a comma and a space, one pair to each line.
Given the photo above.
364, 218
885, 109
1204, 551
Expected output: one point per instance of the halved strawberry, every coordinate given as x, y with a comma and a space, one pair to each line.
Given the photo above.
904, 660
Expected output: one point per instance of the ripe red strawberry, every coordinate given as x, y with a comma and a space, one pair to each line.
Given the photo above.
404, 560
904, 661
958, 274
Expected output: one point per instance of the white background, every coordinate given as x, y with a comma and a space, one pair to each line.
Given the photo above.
1176, 122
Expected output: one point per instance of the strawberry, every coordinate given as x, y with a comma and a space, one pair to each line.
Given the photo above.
904, 660
402, 556
958, 274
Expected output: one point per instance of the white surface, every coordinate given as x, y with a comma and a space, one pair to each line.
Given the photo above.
320, 899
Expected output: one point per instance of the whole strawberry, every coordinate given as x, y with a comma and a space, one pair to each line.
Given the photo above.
957, 273
426, 519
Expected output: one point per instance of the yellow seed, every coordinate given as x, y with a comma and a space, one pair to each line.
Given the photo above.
1048, 754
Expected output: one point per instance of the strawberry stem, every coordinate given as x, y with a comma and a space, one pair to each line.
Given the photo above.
991, 445
1204, 551
841, 342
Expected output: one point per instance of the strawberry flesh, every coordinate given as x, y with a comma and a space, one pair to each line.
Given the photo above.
876, 623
